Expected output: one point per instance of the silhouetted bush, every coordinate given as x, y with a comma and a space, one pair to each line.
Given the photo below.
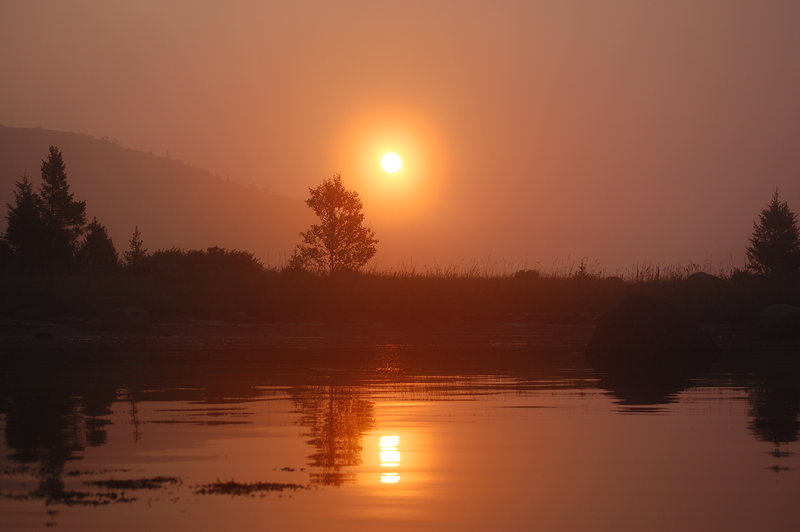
215, 282
213, 261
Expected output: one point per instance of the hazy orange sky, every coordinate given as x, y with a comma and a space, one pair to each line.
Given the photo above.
614, 130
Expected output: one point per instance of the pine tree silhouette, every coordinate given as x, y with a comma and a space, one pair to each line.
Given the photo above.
6, 255
136, 251
26, 230
97, 251
775, 244
64, 217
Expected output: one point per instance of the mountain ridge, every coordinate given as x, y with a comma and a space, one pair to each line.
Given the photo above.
173, 203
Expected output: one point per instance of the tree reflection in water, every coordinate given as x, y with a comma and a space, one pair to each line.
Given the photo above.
50, 426
338, 417
55, 406
774, 402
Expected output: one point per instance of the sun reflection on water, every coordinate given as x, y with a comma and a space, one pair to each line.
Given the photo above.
390, 478
390, 457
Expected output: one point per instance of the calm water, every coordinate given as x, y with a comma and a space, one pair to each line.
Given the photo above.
503, 431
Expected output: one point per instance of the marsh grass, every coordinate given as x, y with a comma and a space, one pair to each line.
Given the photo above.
153, 483
246, 489
575, 294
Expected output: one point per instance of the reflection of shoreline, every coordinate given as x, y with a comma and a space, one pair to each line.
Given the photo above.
56, 405
390, 478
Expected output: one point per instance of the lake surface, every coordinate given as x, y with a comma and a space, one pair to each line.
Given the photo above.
508, 429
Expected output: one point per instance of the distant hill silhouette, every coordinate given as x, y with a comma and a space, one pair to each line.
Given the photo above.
174, 204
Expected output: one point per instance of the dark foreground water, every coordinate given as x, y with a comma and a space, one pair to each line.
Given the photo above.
505, 430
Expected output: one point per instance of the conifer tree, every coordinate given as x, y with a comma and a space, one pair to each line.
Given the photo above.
340, 242
136, 251
775, 244
97, 251
6, 255
25, 232
64, 217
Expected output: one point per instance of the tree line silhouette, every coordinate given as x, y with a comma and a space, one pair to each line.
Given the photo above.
49, 236
44, 228
47, 232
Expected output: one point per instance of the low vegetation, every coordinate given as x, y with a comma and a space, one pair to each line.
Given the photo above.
224, 286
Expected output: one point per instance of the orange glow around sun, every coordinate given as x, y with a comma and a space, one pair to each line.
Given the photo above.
394, 160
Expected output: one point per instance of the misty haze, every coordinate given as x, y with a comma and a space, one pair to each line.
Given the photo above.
453, 265
618, 132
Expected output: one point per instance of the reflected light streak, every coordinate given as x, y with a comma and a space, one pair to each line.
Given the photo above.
389, 442
390, 478
390, 457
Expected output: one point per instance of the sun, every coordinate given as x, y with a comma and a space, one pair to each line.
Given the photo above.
391, 162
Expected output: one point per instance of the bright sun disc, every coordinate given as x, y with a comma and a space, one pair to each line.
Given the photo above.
391, 162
